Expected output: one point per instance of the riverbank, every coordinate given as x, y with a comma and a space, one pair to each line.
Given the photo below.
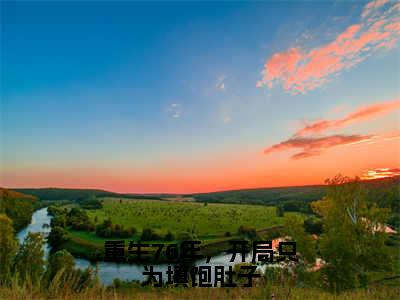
91, 247
108, 271
83, 232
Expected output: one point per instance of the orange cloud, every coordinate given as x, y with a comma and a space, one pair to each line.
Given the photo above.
380, 173
361, 114
312, 146
299, 70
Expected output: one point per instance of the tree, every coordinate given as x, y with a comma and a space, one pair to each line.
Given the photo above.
91, 202
57, 236
313, 225
149, 234
29, 262
18, 207
169, 236
248, 232
305, 245
280, 211
350, 243
186, 236
8, 247
61, 261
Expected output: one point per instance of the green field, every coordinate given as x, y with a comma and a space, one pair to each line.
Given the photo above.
206, 221
210, 223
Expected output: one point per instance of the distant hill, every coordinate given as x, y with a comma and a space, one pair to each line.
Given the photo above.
290, 197
383, 182
17, 206
76, 194
6, 193
293, 198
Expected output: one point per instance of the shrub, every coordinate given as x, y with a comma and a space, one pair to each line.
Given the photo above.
57, 236
169, 236
313, 225
186, 236
107, 229
149, 234
249, 232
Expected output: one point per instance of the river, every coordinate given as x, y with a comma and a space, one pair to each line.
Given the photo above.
107, 271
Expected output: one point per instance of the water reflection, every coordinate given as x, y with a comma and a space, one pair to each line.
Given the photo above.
107, 271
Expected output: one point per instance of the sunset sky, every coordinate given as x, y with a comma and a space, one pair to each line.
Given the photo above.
196, 97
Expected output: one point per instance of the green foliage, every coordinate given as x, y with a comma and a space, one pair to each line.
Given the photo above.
204, 221
291, 198
248, 232
296, 205
280, 211
29, 262
149, 234
8, 248
351, 243
91, 203
186, 236
17, 206
57, 236
107, 229
59, 261
55, 210
78, 219
305, 245
76, 195
313, 225
169, 236
386, 194
59, 221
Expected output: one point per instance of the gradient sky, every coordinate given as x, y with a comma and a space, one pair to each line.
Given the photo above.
195, 97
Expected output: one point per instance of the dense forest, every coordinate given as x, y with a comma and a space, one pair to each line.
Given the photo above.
17, 206
76, 195
384, 192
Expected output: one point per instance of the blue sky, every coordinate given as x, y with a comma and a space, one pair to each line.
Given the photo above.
125, 86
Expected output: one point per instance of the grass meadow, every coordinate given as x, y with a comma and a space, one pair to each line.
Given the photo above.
213, 224
206, 221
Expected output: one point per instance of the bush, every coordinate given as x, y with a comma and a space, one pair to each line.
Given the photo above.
169, 236
313, 225
280, 211
107, 229
248, 232
79, 220
57, 236
186, 236
91, 203
149, 234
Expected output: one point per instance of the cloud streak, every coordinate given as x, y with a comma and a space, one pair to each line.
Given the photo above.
299, 70
175, 110
313, 146
220, 84
380, 173
362, 114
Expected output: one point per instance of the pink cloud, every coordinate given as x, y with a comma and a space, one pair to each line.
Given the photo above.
312, 146
372, 6
299, 70
361, 114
